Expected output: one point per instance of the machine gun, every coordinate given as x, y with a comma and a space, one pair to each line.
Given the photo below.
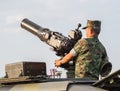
60, 43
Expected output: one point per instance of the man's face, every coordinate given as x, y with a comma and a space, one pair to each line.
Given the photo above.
88, 31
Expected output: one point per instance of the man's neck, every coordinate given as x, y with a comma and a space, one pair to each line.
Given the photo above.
92, 36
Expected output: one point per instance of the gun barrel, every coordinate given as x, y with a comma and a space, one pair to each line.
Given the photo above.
42, 33
31, 27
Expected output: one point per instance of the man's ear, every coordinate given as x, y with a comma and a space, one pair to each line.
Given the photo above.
91, 30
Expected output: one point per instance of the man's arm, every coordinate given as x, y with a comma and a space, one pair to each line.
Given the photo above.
65, 59
74, 51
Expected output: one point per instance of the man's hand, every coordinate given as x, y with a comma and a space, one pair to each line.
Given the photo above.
64, 60
57, 63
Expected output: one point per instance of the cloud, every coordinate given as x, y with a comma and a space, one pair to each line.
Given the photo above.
13, 19
11, 23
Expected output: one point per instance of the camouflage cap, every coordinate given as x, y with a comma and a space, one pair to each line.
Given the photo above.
93, 23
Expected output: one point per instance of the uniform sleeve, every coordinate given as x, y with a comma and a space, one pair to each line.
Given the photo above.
78, 47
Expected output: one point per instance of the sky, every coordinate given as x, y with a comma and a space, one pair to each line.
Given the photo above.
17, 44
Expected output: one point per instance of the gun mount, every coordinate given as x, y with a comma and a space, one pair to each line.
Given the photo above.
60, 43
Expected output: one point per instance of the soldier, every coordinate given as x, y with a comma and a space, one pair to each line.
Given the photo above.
89, 53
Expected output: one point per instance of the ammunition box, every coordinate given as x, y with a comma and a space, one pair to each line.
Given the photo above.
15, 70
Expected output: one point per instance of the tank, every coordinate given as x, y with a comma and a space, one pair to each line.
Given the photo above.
32, 76
21, 77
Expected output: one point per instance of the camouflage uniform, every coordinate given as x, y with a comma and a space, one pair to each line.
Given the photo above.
90, 55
